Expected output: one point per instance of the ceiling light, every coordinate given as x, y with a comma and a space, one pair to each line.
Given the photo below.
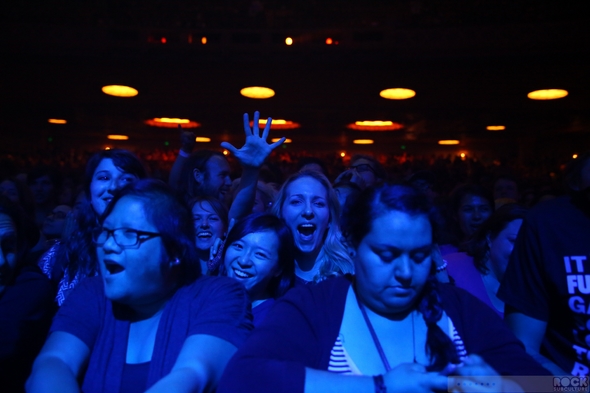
375, 125
289, 41
204, 40
575, 156
448, 142
118, 137
119, 91
257, 92
363, 141
57, 121
202, 139
397, 93
342, 154
171, 122
287, 140
547, 94
495, 128
278, 124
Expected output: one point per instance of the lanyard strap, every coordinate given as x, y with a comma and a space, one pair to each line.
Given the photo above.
374, 335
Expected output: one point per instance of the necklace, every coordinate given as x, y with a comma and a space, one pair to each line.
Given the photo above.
376, 339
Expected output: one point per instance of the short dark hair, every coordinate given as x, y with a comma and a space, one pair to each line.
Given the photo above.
378, 169
469, 189
261, 222
124, 160
198, 160
172, 219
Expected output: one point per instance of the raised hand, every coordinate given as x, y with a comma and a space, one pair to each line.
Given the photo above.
255, 150
187, 140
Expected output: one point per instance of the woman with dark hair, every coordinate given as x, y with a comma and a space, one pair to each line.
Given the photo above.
481, 269
148, 322
69, 261
259, 254
392, 321
26, 305
310, 207
470, 207
210, 221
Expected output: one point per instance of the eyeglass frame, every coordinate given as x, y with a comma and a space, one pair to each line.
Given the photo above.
111, 232
355, 167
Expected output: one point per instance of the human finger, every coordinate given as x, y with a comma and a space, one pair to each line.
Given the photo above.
247, 129
277, 143
255, 125
266, 128
230, 147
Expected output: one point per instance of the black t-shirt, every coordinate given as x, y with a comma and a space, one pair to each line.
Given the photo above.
548, 278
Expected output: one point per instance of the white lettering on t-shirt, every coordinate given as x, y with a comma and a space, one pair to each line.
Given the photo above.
578, 284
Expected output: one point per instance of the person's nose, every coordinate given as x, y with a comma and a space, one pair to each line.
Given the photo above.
204, 223
403, 269
307, 210
2, 258
110, 245
244, 259
477, 214
227, 181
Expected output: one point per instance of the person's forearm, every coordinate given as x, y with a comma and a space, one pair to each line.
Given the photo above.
183, 380
318, 381
51, 375
244, 200
174, 178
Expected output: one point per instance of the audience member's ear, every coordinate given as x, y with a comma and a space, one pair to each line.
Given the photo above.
198, 175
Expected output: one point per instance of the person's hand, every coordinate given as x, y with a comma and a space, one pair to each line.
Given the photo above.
475, 375
413, 377
255, 150
351, 175
187, 140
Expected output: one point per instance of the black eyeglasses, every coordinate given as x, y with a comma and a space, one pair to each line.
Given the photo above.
124, 237
363, 168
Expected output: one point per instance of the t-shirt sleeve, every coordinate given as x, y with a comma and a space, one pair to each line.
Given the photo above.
523, 285
221, 308
80, 314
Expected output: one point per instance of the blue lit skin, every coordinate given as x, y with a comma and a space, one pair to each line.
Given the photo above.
392, 262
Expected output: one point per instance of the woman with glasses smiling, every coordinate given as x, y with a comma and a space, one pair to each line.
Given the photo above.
149, 322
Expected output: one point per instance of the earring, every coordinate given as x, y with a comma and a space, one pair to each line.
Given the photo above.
175, 262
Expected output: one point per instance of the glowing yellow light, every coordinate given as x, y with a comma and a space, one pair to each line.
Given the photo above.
289, 41
375, 125
202, 139
363, 141
342, 154
203, 40
172, 122
462, 155
119, 91
278, 124
495, 128
257, 92
225, 152
329, 41
278, 139
575, 156
547, 94
57, 121
118, 137
448, 142
107, 148
397, 93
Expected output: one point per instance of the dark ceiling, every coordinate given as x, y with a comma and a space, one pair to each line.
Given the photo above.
471, 64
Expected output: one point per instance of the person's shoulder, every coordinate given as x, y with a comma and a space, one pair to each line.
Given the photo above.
210, 285
327, 288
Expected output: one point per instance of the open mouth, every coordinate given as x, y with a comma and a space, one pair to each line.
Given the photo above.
307, 230
113, 267
242, 274
205, 235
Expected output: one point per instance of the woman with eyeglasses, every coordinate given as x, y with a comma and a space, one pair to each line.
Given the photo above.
149, 322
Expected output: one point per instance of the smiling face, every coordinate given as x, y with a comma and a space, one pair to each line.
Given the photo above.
133, 276
392, 262
107, 178
473, 212
501, 247
208, 225
306, 212
254, 261
8, 246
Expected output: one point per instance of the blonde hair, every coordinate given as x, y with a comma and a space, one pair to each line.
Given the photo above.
333, 258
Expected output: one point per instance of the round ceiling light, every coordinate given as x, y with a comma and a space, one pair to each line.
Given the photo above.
171, 122
202, 139
547, 94
287, 140
495, 128
397, 93
257, 92
118, 137
448, 142
57, 121
277, 124
363, 141
120, 91
375, 125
